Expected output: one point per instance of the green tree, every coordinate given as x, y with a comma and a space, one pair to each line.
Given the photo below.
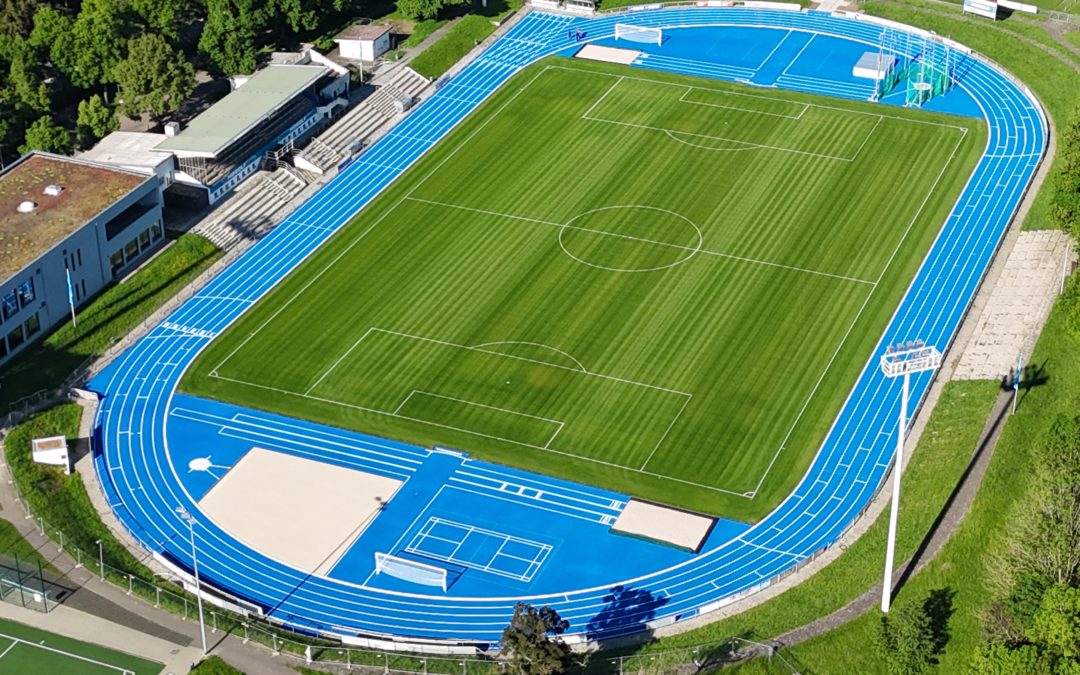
299, 15
1056, 625
1065, 202
228, 38
999, 659
17, 17
906, 639
43, 134
161, 16
96, 120
531, 643
154, 78
52, 35
25, 82
98, 40
425, 9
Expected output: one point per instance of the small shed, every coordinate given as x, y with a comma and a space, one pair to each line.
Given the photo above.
365, 42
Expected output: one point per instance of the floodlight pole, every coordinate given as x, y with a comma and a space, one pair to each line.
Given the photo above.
190, 520
902, 360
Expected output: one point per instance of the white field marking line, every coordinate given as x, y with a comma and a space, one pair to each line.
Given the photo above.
665, 434
346, 249
602, 97
541, 550
354, 406
683, 99
885, 269
796, 57
9, 648
646, 240
523, 358
559, 423
409, 528
724, 90
862, 145
774, 50
54, 650
336, 363
480, 347
749, 145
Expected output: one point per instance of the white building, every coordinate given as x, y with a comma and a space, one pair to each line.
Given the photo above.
364, 42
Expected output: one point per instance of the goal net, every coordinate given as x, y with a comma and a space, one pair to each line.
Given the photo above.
625, 31
410, 570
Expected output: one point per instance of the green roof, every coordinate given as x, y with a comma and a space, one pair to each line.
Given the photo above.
228, 119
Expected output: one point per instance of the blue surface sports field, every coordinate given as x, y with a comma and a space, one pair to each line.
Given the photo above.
503, 534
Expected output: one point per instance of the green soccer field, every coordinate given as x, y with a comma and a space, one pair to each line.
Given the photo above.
24, 650
658, 284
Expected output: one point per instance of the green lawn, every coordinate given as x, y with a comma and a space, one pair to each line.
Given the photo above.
658, 284
110, 316
29, 650
468, 32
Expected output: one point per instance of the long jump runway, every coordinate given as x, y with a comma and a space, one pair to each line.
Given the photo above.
146, 452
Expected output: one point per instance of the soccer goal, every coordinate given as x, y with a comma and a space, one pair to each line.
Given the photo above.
625, 31
410, 570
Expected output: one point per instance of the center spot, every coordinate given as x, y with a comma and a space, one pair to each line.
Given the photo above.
630, 238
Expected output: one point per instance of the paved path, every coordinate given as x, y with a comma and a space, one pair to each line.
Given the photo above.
98, 612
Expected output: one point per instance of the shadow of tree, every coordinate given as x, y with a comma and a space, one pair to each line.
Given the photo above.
938, 605
626, 610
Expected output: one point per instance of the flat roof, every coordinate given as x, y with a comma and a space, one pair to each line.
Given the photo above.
128, 148
367, 31
228, 119
88, 189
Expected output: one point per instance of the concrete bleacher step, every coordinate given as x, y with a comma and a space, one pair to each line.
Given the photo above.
249, 213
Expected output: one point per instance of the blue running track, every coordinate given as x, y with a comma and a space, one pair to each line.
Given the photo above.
141, 461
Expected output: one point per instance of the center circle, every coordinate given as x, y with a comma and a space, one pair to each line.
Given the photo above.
630, 238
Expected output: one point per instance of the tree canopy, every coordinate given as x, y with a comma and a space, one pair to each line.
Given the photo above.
531, 643
154, 78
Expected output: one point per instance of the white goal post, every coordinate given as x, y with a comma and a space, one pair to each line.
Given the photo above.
626, 31
410, 570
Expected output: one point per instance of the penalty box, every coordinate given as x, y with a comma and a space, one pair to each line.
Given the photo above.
520, 393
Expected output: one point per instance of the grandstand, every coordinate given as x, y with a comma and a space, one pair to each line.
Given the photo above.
349, 133
266, 116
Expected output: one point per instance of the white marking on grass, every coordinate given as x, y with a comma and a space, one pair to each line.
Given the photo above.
71, 655
703, 251
725, 90
683, 99
480, 347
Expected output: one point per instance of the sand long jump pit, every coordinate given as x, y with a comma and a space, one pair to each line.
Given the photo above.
302, 512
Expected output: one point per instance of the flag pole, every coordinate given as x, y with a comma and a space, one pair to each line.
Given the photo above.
71, 297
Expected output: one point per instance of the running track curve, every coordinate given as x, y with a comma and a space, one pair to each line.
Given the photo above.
136, 390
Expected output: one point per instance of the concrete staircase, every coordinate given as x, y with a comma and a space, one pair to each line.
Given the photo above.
351, 132
250, 213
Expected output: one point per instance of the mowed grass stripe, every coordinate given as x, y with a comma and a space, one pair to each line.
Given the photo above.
467, 251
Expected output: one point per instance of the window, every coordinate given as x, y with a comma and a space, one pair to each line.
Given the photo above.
15, 337
83, 284
10, 304
116, 261
78, 254
3, 348
32, 325
131, 250
155, 231
26, 292
144, 240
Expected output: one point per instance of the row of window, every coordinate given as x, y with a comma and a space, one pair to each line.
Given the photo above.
17, 298
20, 334
133, 248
